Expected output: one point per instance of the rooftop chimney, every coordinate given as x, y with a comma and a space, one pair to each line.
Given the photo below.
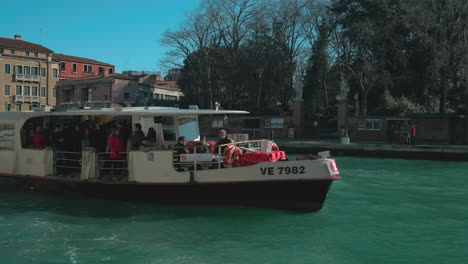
17, 36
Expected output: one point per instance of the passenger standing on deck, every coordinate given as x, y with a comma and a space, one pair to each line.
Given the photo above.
75, 139
99, 138
115, 149
86, 139
151, 135
57, 138
39, 139
413, 135
125, 130
137, 138
27, 136
223, 139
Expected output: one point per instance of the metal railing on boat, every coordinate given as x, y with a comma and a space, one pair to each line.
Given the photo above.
67, 162
109, 166
218, 158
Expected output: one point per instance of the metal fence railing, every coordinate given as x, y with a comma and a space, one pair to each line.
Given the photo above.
220, 157
112, 166
66, 162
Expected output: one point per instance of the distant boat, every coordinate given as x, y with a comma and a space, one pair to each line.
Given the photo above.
251, 173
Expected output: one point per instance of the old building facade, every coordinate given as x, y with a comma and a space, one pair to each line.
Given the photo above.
28, 75
72, 67
115, 90
167, 90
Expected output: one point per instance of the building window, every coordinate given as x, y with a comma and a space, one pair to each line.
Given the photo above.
90, 95
1, 50
74, 67
101, 70
55, 73
18, 108
19, 69
88, 68
156, 96
43, 92
27, 53
7, 107
34, 91
106, 97
370, 124
111, 70
34, 71
62, 66
43, 72
26, 90
54, 92
171, 98
12, 52
126, 96
7, 69
27, 70
19, 90
6, 90
36, 54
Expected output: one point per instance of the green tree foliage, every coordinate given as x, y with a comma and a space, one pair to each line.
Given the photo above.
245, 53
315, 92
399, 106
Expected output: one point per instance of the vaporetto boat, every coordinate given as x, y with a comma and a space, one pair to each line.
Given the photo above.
251, 173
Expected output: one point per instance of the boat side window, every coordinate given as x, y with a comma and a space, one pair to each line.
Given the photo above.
168, 127
7, 135
188, 127
35, 127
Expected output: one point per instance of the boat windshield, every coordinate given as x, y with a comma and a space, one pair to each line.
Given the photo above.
188, 127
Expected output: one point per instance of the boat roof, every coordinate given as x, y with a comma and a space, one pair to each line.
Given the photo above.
121, 111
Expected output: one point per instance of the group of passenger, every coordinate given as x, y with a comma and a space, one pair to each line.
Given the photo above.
74, 137
203, 146
69, 139
114, 138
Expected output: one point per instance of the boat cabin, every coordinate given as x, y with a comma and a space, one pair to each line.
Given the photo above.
76, 144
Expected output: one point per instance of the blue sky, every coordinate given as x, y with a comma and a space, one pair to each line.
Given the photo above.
124, 33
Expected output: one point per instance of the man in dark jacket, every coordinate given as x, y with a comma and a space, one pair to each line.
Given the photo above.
137, 138
181, 146
203, 146
223, 139
179, 149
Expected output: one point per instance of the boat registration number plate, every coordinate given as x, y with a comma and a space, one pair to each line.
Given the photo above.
283, 170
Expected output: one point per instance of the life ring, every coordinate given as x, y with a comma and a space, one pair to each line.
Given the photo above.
232, 155
274, 147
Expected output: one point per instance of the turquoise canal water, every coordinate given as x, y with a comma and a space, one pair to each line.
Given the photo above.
382, 211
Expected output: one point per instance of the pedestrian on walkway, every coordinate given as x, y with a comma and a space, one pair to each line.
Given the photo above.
413, 135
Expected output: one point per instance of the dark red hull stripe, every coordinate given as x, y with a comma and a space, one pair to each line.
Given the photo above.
306, 196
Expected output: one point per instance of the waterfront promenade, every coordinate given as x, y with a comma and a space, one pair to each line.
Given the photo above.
373, 149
